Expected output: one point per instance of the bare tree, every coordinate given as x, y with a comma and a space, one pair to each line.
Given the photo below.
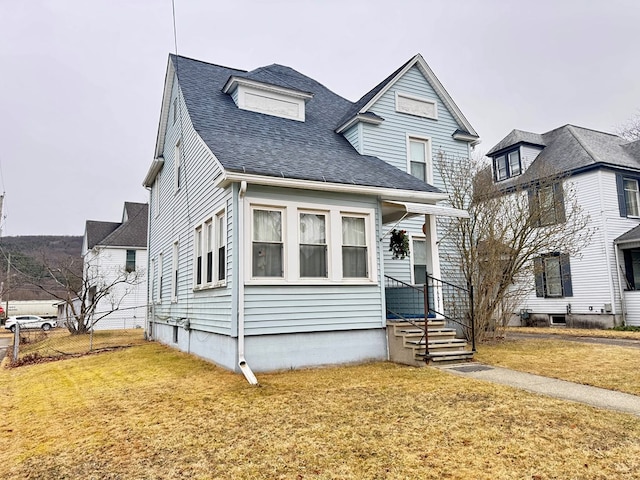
511, 225
630, 130
89, 292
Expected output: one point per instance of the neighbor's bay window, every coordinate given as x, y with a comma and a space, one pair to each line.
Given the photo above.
267, 244
354, 247
631, 197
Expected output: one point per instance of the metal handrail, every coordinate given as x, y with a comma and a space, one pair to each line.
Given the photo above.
464, 318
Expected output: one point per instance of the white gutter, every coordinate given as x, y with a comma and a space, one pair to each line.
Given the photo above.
242, 362
384, 193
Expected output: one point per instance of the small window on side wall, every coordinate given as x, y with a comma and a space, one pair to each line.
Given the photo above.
267, 246
131, 261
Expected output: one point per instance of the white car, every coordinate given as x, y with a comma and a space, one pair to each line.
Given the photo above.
29, 321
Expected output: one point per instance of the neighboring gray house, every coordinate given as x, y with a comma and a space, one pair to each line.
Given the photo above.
112, 251
271, 203
601, 286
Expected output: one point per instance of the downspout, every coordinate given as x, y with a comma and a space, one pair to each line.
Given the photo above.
242, 362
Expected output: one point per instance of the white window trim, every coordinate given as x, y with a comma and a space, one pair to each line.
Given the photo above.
428, 159
419, 99
200, 228
215, 283
177, 161
175, 271
327, 234
291, 242
160, 276
221, 214
637, 195
422, 238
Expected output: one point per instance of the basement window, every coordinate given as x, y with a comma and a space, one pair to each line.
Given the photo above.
560, 320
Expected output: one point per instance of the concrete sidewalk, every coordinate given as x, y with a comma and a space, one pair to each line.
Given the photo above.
594, 396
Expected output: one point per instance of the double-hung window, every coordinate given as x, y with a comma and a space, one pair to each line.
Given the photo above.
209, 257
419, 252
221, 245
546, 204
175, 268
160, 274
130, 265
553, 276
313, 245
507, 165
198, 252
418, 158
267, 250
177, 166
355, 256
631, 197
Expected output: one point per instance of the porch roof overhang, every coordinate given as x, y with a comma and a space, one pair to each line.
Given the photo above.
394, 211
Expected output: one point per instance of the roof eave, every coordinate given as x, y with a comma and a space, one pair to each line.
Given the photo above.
359, 118
154, 169
381, 192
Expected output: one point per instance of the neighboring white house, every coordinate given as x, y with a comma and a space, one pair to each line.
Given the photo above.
114, 250
600, 287
271, 203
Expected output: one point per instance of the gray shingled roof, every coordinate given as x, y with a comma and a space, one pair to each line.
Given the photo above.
517, 137
250, 142
570, 148
132, 232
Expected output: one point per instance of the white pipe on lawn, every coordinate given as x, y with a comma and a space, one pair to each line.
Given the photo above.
242, 362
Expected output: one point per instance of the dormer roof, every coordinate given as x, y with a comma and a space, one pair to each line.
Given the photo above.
517, 137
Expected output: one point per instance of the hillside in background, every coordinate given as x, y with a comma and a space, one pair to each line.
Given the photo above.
28, 254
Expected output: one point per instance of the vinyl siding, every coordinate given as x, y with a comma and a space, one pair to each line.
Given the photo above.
527, 155
179, 213
388, 141
593, 272
128, 298
298, 307
353, 135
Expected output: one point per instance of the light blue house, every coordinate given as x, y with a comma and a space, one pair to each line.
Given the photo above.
271, 204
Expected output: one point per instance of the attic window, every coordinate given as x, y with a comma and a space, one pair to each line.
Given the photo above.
419, 106
507, 165
268, 99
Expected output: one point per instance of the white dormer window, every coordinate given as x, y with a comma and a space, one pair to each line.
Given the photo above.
507, 165
419, 106
267, 99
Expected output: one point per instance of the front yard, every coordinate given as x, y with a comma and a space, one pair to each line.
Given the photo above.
149, 412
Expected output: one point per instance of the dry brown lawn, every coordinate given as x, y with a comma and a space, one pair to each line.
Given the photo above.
149, 412
604, 366
576, 332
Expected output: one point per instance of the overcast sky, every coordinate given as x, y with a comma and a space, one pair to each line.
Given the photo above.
81, 81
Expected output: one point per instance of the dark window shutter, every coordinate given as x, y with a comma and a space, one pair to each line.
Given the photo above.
621, 203
565, 272
538, 270
558, 197
533, 206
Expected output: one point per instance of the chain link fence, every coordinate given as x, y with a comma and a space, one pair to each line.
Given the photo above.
30, 345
